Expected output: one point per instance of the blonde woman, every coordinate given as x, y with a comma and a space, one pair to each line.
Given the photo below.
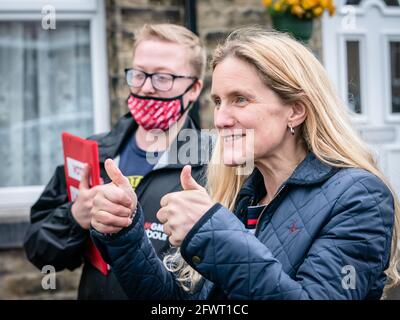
315, 219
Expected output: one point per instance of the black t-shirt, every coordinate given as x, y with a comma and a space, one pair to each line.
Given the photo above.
135, 163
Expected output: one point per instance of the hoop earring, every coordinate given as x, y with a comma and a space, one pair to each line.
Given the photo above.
291, 129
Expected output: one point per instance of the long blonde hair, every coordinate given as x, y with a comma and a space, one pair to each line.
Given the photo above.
296, 76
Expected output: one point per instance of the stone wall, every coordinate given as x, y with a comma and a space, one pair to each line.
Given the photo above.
21, 280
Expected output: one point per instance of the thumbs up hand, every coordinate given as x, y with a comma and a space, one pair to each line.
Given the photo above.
114, 203
119, 180
187, 181
180, 211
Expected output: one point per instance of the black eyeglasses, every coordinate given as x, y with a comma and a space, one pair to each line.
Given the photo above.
160, 81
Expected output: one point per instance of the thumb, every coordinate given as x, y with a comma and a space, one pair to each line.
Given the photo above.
116, 175
84, 184
187, 181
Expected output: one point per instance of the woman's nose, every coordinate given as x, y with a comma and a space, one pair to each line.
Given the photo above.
223, 118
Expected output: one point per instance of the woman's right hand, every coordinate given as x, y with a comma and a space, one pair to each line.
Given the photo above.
114, 203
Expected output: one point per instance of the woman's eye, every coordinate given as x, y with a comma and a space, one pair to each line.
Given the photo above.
217, 103
240, 100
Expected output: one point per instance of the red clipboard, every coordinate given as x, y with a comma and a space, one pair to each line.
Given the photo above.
77, 153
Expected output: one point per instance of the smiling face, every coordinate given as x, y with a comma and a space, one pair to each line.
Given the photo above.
242, 101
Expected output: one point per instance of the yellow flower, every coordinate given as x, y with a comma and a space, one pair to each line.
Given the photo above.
317, 11
297, 10
267, 3
324, 3
277, 6
331, 10
302, 8
308, 4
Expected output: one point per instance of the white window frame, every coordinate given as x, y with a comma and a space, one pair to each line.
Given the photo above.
16, 201
388, 167
343, 85
388, 36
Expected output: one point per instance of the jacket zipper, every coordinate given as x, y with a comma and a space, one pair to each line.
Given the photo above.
266, 208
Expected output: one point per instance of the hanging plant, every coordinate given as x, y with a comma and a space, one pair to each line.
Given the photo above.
297, 16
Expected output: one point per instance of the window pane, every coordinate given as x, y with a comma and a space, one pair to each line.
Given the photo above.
45, 89
353, 2
395, 75
391, 3
353, 76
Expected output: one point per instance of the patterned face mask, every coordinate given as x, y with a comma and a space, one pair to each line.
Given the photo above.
157, 113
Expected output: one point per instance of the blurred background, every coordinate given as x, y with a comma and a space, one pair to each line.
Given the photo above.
69, 76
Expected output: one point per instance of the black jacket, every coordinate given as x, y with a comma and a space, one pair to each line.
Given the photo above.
55, 238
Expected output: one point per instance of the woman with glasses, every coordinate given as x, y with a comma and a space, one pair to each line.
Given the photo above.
316, 219
165, 80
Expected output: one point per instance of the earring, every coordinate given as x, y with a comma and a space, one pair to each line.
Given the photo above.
291, 129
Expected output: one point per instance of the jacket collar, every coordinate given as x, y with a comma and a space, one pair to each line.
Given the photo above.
310, 171
110, 144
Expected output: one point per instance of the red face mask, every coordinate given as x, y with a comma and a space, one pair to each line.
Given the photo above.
157, 113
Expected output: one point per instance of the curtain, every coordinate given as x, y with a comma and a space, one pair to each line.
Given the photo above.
45, 88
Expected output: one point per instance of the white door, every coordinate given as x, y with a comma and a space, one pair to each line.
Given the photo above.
361, 52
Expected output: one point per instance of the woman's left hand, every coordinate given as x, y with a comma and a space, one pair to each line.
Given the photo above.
181, 210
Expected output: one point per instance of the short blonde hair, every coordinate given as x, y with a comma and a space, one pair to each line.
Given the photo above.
180, 35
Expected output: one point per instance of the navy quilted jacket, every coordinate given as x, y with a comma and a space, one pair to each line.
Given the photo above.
326, 235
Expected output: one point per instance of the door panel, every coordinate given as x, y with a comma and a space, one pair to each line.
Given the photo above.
361, 52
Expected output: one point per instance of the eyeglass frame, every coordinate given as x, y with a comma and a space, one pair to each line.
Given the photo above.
147, 75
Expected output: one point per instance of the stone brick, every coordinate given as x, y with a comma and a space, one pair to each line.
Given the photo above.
132, 3
126, 46
206, 106
19, 279
12, 260
167, 3
315, 43
229, 3
206, 112
116, 112
211, 18
253, 3
247, 16
215, 4
393, 294
133, 18
213, 38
